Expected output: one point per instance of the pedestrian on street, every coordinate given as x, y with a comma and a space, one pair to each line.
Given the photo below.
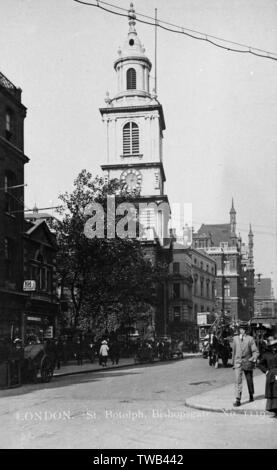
58, 352
268, 364
79, 352
244, 357
65, 350
114, 352
91, 351
103, 353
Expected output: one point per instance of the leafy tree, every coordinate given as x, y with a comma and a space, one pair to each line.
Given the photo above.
103, 276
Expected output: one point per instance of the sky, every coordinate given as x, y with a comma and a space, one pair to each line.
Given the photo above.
220, 107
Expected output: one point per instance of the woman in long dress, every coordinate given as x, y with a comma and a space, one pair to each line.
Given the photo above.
268, 364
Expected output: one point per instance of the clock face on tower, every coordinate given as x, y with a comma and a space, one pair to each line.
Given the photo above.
132, 179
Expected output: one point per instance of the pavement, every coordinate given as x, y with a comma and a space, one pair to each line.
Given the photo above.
221, 399
72, 368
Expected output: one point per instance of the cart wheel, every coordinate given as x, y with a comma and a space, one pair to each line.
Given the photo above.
46, 370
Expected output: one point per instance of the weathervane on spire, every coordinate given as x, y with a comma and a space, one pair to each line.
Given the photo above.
132, 18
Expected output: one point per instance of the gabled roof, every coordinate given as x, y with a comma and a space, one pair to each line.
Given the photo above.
217, 232
40, 232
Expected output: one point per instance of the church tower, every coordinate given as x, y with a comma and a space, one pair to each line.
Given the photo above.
134, 125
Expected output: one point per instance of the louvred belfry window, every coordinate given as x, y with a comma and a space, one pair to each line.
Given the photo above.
130, 139
131, 79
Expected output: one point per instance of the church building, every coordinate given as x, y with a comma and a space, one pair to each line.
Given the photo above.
134, 125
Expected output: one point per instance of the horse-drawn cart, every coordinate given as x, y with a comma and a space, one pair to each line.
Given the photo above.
144, 353
220, 337
38, 362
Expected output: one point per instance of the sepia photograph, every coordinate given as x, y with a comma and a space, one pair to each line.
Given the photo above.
138, 227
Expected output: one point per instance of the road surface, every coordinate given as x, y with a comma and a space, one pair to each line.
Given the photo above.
130, 408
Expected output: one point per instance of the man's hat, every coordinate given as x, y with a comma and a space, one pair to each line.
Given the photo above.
243, 324
271, 341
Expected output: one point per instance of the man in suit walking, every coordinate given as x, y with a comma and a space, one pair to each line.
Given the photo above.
245, 354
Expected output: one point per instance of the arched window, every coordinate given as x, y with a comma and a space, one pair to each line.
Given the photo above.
131, 79
130, 139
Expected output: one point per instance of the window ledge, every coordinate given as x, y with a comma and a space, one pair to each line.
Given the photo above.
129, 155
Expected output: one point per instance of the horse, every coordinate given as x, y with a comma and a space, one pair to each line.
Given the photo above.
219, 348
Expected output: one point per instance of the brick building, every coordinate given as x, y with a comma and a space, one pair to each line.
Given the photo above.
41, 308
235, 266
27, 250
264, 301
191, 289
203, 271
12, 161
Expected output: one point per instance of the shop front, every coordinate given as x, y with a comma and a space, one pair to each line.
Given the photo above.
40, 320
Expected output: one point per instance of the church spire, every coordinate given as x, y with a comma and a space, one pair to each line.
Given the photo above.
133, 70
232, 211
233, 220
251, 246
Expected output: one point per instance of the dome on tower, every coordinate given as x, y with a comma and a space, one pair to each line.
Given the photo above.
133, 47
133, 70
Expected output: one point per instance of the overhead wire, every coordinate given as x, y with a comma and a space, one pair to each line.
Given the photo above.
184, 31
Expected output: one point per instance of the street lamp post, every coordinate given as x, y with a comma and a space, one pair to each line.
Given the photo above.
223, 280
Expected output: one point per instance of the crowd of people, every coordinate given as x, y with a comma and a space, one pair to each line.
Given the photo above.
110, 349
81, 349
